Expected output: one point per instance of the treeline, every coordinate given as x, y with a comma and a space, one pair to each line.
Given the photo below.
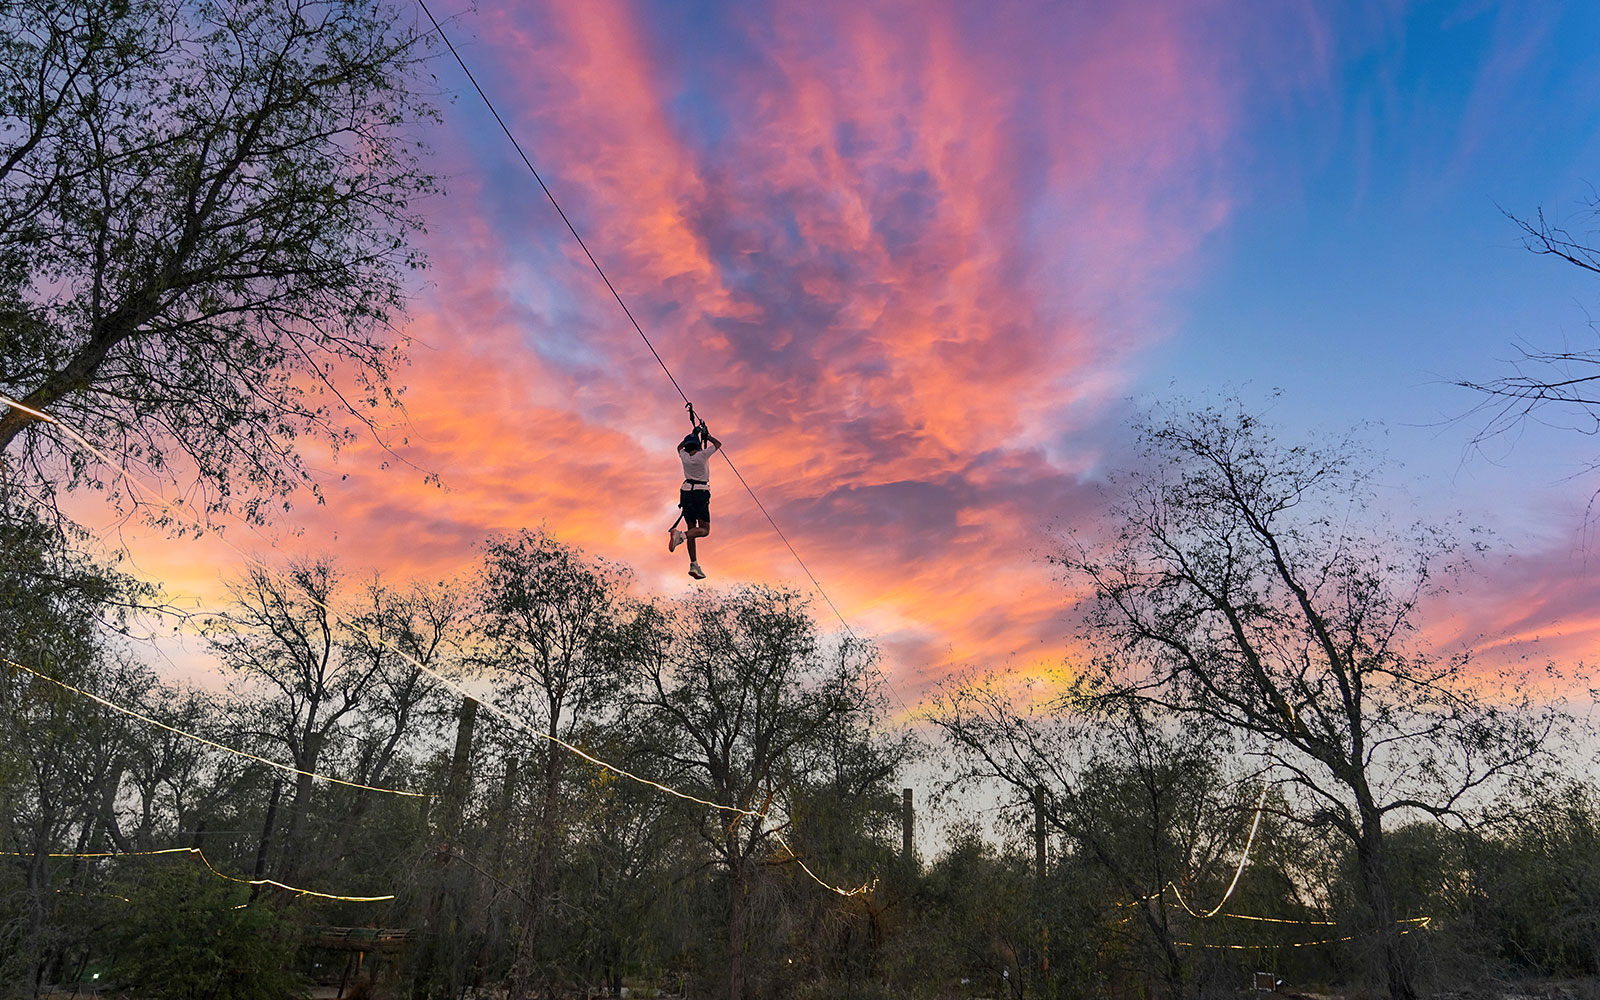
512, 859
1297, 792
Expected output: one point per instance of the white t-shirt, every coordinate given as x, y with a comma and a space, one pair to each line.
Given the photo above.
698, 465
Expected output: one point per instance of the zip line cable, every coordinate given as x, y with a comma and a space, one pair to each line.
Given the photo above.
815, 583
493, 709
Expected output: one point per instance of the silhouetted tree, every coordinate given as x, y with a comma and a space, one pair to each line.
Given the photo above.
750, 703
1244, 586
550, 620
1560, 386
204, 215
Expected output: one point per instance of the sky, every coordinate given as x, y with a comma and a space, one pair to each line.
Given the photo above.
919, 264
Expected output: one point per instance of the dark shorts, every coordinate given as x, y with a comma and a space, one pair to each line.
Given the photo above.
696, 505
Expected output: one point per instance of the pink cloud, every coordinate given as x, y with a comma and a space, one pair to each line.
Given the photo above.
913, 264
1525, 609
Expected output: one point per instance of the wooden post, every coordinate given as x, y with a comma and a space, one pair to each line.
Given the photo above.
502, 821
455, 791
1039, 872
502, 834
425, 984
908, 827
1038, 835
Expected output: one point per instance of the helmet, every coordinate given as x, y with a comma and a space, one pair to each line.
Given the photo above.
690, 442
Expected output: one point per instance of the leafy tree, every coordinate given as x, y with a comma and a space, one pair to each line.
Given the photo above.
628, 855
185, 934
1526, 900
285, 634
748, 703
204, 215
407, 632
1243, 587
969, 920
63, 757
551, 621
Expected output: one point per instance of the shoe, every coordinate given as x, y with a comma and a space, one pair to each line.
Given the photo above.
696, 572
674, 539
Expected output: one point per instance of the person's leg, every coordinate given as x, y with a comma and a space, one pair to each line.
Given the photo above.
697, 529
697, 516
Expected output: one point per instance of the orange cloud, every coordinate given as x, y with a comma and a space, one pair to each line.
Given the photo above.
903, 258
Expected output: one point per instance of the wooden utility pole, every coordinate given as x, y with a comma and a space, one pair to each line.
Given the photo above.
426, 982
502, 820
1038, 836
908, 828
1047, 988
455, 791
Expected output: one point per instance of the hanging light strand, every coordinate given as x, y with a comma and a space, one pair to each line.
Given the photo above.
297, 890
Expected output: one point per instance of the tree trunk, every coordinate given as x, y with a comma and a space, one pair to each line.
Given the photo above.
264, 847
1375, 879
541, 879
295, 849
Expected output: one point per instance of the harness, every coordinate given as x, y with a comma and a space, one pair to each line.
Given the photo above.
696, 484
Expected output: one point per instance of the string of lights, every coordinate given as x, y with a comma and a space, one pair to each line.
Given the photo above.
1420, 922
515, 722
1244, 859
1238, 873
13, 664
1216, 911
860, 890
297, 890
1280, 920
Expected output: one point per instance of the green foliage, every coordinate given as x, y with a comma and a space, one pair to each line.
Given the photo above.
50, 592
846, 989
204, 213
1531, 897
188, 935
970, 916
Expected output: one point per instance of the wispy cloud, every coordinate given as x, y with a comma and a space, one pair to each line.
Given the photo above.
903, 257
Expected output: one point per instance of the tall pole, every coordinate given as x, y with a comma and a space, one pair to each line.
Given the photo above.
908, 828
1047, 988
502, 825
426, 982
1038, 836
455, 791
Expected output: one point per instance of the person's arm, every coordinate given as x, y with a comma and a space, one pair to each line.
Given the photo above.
705, 435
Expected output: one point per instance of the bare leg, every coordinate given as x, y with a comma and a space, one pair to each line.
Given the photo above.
697, 529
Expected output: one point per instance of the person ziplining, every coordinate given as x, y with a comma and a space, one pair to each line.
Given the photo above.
694, 496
